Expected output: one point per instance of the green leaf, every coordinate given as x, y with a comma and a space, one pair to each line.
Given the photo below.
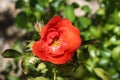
102, 74
117, 65
96, 31
10, 77
83, 55
39, 8
109, 27
75, 5
104, 62
21, 20
101, 11
66, 68
116, 53
57, 4
86, 9
10, 53
41, 66
20, 4
113, 73
30, 44
44, 3
69, 13
80, 71
84, 22
115, 18
32, 3
38, 78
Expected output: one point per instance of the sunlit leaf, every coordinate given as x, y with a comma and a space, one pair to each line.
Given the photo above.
30, 44
84, 22
96, 31
113, 73
69, 13
10, 77
116, 53
29, 64
101, 11
104, 62
115, 18
38, 78
102, 74
42, 67
86, 9
57, 4
39, 8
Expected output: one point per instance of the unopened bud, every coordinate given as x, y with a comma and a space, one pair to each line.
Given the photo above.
39, 26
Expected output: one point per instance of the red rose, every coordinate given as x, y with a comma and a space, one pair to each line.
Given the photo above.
58, 42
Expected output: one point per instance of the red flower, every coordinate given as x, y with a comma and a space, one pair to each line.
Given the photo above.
59, 40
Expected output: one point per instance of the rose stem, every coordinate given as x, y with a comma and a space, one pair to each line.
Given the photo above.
92, 41
54, 71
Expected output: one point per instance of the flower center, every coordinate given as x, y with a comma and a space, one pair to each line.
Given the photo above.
56, 43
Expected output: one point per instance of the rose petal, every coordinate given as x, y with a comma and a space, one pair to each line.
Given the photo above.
70, 34
54, 20
37, 51
51, 36
50, 24
61, 59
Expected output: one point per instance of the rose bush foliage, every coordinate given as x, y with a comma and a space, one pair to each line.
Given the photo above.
103, 25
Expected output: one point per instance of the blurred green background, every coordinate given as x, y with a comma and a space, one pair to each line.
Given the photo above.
96, 19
